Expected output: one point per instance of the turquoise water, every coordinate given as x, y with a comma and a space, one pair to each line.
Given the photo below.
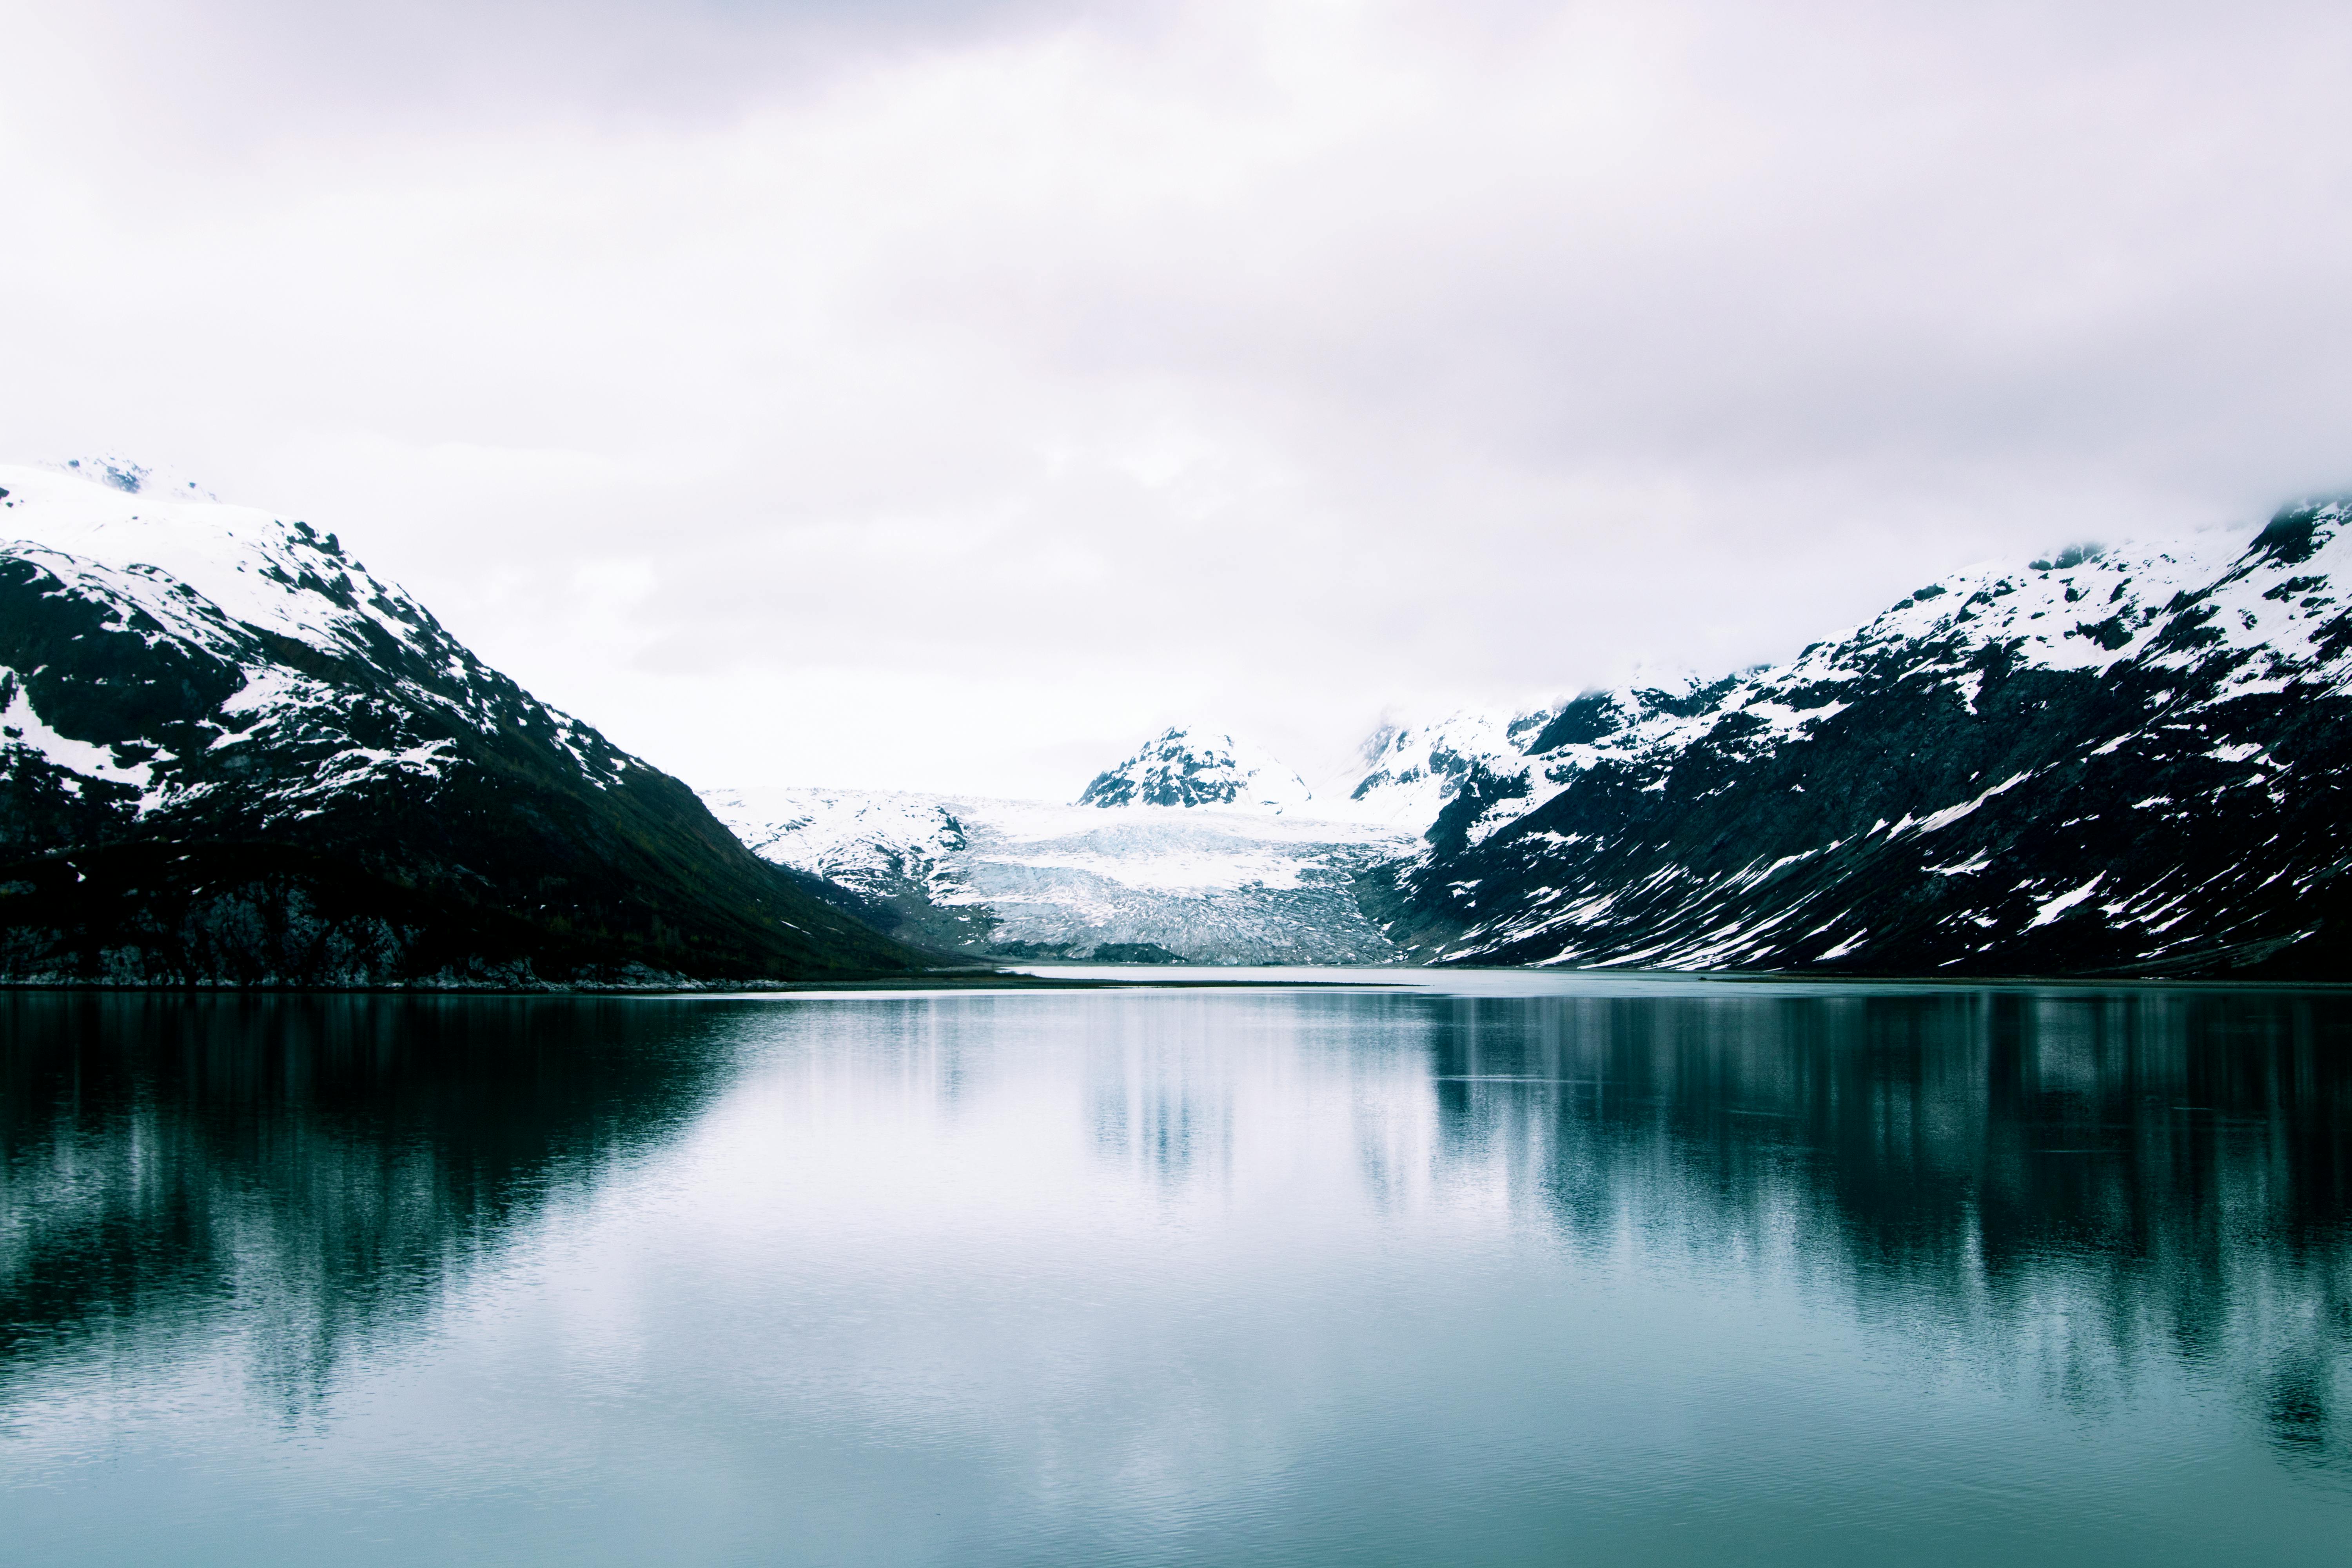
1552, 1271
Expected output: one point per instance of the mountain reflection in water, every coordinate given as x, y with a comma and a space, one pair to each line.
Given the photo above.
2060, 1187
1785, 1271
325, 1163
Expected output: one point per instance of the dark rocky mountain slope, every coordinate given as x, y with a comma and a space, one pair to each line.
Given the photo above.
229, 755
2130, 763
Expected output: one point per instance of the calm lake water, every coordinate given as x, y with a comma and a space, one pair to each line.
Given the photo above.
1553, 1271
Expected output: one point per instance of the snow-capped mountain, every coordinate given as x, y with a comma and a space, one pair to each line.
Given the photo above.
1183, 767
2105, 761
228, 752
1415, 772
2132, 761
1005, 879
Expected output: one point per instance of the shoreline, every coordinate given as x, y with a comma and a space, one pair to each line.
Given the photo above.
1500, 983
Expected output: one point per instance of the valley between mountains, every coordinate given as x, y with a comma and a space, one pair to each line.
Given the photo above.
231, 755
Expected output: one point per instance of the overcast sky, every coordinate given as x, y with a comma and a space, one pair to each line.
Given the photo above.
945, 395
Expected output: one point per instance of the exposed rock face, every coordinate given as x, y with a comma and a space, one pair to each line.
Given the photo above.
230, 755
2134, 763
1194, 768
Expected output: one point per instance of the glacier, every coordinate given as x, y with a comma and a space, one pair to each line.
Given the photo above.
1244, 874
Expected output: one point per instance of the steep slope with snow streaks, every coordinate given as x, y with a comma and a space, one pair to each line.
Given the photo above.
2135, 761
229, 754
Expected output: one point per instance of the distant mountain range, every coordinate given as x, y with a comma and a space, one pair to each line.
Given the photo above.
1228, 880
2104, 763
230, 755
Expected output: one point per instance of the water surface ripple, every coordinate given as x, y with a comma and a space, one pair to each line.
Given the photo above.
1542, 1271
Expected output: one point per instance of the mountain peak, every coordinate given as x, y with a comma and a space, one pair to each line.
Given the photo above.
283, 576
1185, 767
232, 756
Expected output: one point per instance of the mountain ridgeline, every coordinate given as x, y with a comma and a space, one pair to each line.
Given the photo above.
2104, 763
2134, 763
230, 755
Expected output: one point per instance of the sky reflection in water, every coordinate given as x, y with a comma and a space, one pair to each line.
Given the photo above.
1779, 1274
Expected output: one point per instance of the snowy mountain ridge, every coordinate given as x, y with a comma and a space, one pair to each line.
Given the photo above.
2104, 759
230, 755
228, 580
2043, 612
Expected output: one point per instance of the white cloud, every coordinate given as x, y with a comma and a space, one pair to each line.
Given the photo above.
944, 397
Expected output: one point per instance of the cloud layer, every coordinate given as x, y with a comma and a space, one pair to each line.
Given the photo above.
946, 396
